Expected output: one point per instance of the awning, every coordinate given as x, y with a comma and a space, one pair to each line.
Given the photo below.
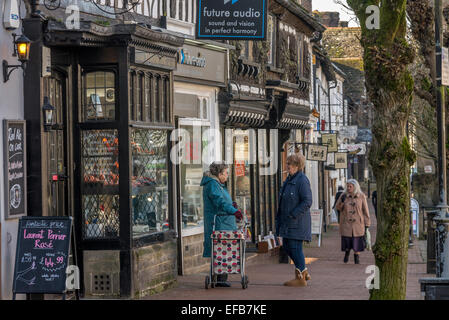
91, 34
242, 110
294, 117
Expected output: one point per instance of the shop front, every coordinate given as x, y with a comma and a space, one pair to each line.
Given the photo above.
250, 148
104, 159
200, 73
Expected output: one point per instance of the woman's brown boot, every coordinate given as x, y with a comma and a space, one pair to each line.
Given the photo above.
299, 280
306, 274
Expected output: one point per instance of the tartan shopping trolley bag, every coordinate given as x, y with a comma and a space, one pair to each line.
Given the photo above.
228, 255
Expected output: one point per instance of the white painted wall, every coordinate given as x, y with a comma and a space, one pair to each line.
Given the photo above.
11, 108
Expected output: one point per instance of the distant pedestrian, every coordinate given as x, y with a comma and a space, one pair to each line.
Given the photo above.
217, 201
374, 200
337, 196
293, 220
354, 220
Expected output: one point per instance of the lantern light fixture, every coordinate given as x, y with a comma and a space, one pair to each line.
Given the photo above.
22, 51
49, 114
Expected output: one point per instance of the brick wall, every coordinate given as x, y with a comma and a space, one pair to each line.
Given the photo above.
154, 268
193, 255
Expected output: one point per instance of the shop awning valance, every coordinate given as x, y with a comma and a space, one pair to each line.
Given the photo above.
246, 111
294, 117
91, 34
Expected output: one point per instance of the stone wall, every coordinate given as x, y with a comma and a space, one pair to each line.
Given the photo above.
193, 255
154, 268
101, 272
343, 43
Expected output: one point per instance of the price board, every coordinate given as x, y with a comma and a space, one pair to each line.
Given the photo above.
42, 254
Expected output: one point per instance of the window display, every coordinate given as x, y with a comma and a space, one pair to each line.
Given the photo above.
149, 181
192, 169
242, 174
100, 185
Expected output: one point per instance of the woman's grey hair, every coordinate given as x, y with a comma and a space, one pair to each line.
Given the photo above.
217, 167
356, 185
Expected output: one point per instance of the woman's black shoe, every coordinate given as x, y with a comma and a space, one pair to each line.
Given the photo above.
356, 259
346, 259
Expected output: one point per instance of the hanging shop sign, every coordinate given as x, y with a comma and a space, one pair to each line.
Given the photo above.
42, 254
330, 139
317, 153
232, 19
358, 149
347, 134
14, 141
341, 160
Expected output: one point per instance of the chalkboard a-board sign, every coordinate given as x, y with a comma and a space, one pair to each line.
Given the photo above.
14, 141
42, 254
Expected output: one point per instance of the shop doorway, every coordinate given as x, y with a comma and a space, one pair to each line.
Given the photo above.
57, 173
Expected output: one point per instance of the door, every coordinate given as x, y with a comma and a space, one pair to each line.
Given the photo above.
56, 147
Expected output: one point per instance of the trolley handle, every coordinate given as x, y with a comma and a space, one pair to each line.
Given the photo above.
245, 219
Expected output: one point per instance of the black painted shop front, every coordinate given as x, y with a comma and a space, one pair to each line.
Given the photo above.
106, 160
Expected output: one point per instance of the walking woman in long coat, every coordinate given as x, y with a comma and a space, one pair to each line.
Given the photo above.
293, 220
217, 201
354, 220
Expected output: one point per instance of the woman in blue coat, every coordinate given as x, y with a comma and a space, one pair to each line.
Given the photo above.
217, 201
293, 221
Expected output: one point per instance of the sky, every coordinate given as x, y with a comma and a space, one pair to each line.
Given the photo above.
331, 5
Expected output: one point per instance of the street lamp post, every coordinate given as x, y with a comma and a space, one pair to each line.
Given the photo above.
442, 220
438, 288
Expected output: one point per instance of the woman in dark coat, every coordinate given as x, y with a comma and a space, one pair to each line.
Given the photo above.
217, 201
293, 220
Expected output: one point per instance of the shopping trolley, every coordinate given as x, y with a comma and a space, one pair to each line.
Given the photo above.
228, 254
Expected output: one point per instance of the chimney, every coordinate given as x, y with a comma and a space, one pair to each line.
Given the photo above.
329, 19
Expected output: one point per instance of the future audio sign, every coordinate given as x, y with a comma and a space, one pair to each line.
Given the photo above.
231, 19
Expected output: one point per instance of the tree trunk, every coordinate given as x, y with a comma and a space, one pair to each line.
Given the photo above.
390, 88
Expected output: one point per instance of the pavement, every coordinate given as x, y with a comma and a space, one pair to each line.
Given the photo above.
331, 278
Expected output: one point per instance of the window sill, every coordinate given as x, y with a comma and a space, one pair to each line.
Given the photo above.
275, 70
153, 238
192, 231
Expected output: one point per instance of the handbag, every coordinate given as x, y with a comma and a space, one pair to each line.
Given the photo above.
333, 216
367, 240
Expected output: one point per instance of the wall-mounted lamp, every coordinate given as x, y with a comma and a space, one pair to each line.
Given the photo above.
49, 115
22, 50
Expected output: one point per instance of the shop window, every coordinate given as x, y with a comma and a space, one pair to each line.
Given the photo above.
139, 98
149, 182
157, 97
100, 185
192, 168
148, 96
98, 96
242, 174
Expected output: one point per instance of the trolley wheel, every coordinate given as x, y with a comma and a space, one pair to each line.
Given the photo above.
244, 282
207, 282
